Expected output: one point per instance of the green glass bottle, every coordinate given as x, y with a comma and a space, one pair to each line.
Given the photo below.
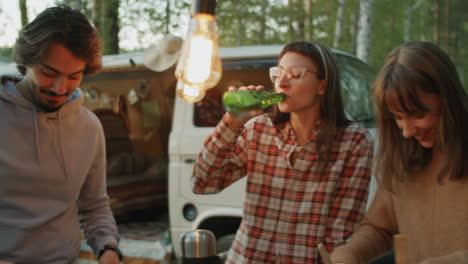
240, 101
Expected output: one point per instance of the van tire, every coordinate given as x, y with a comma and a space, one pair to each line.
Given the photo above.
224, 243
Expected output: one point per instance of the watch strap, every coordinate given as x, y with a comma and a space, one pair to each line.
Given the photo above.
113, 248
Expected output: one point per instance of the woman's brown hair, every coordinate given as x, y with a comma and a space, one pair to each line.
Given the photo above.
409, 68
332, 113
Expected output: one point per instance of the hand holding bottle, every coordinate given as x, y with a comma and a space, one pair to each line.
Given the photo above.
238, 119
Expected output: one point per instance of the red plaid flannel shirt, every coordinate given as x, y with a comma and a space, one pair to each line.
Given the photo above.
288, 209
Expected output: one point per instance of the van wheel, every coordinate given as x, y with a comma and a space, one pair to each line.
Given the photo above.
224, 243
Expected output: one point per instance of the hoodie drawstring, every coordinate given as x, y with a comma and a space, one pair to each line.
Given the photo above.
36, 136
64, 160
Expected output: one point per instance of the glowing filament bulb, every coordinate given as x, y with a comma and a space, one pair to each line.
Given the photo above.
199, 65
199, 62
188, 93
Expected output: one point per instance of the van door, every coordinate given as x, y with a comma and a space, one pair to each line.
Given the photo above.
192, 123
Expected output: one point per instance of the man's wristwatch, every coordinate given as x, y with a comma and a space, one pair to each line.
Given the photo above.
113, 248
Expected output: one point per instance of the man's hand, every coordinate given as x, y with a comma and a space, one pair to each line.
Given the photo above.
109, 257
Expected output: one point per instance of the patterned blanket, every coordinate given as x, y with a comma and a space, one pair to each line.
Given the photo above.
146, 242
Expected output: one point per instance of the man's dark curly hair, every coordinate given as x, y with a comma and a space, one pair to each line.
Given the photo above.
63, 25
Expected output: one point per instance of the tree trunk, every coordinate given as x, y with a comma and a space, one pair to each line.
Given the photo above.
437, 21
96, 13
355, 28
168, 17
408, 23
240, 25
291, 31
309, 31
339, 23
262, 33
77, 4
110, 26
364, 30
301, 17
24, 12
447, 26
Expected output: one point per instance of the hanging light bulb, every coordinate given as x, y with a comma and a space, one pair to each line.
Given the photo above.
199, 65
188, 93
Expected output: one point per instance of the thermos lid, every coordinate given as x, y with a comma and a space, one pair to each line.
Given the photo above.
198, 243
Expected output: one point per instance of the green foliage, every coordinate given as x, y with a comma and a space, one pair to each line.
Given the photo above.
5, 54
447, 28
151, 19
386, 16
244, 24
445, 25
109, 26
284, 21
24, 12
261, 22
83, 5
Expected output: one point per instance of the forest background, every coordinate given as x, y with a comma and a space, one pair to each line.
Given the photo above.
367, 28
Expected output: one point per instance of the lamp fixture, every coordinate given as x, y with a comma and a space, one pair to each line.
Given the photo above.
189, 93
199, 65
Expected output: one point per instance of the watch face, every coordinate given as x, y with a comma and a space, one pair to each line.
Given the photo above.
113, 248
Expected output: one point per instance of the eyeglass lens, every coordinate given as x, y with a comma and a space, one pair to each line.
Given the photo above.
293, 73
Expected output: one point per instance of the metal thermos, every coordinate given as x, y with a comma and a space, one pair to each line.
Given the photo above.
199, 247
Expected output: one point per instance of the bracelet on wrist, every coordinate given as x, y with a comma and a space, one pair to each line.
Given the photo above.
113, 248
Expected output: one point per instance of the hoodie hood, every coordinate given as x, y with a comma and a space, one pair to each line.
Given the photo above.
9, 92
70, 110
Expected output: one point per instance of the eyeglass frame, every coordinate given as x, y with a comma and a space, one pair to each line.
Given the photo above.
289, 76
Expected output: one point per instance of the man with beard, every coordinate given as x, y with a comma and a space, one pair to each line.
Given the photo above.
52, 154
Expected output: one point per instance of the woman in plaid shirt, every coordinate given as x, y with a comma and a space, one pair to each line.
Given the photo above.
307, 166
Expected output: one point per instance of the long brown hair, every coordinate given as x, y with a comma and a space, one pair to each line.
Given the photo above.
411, 67
332, 113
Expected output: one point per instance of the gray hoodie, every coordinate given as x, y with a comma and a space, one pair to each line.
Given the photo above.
52, 167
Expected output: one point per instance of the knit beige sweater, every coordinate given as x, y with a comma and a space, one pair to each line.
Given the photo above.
433, 217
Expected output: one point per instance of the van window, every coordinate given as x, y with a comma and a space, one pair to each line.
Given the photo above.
209, 111
356, 79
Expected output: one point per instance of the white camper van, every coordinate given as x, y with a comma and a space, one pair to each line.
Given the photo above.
192, 123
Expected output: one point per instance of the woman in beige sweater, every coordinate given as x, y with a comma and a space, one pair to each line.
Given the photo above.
421, 163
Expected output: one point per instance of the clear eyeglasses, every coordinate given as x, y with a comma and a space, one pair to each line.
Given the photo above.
293, 74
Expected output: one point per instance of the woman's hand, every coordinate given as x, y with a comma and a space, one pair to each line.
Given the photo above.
237, 121
343, 255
